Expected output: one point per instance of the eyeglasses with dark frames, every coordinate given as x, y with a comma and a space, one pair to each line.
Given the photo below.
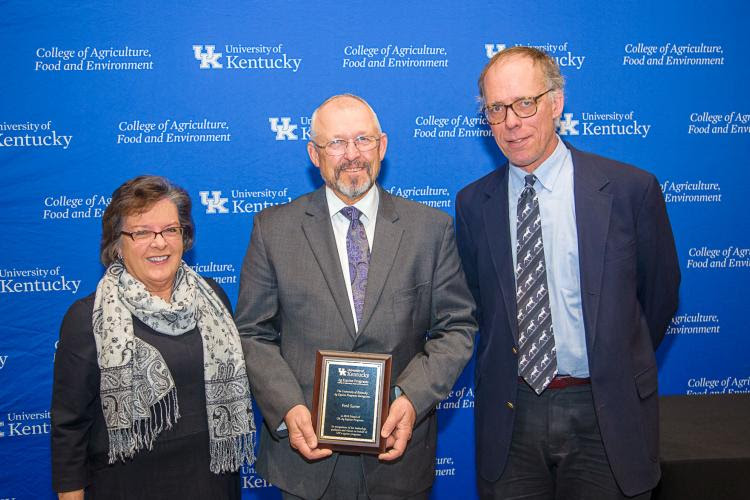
523, 107
170, 233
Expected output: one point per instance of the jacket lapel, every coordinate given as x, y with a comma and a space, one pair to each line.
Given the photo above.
593, 207
319, 233
384, 248
497, 232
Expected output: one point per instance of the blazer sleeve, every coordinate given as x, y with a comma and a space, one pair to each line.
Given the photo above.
74, 394
430, 375
658, 266
256, 317
467, 250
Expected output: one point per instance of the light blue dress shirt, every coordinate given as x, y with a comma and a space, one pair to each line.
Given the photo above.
554, 190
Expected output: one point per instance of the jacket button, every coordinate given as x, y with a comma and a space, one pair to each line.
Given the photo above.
515, 351
509, 405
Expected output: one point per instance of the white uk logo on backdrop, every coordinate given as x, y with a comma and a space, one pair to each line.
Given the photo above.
215, 204
209, 58
284, 130
567, 125
493, 48
594, 123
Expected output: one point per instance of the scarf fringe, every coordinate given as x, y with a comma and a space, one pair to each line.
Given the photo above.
124, 443
227, 455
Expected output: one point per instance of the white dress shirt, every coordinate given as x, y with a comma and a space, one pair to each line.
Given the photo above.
368, 205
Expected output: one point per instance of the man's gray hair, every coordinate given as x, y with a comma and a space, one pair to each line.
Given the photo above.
314, 116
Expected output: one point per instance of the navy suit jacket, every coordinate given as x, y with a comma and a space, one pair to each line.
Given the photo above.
629, 282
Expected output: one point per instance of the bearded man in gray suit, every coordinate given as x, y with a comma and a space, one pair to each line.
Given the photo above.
351, 268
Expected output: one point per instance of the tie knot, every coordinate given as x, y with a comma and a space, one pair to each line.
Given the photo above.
530, 179
351, 213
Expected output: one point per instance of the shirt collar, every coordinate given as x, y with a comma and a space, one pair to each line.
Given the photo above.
368, 205
546, 173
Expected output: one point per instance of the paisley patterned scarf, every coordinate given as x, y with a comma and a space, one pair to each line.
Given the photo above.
138, 393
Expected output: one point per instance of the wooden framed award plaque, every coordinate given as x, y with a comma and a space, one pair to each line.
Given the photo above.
350, 400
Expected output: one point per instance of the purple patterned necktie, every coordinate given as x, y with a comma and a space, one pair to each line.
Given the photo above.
536, 341
358, 252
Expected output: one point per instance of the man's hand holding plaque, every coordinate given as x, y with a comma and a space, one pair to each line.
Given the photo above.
397, 428
302, 434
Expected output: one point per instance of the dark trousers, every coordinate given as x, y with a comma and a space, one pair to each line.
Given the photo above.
347, 482
556, 452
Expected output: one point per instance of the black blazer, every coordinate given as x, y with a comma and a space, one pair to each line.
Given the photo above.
629, 282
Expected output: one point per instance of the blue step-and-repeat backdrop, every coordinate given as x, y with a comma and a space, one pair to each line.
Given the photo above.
217, 96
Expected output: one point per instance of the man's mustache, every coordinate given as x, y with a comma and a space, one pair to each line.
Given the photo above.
352, 163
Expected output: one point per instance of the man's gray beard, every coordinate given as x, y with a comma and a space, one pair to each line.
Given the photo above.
352, 190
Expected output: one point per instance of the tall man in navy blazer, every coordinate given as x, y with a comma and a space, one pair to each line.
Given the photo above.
607, 274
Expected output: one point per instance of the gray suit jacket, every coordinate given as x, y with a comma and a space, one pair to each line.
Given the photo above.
293, 301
